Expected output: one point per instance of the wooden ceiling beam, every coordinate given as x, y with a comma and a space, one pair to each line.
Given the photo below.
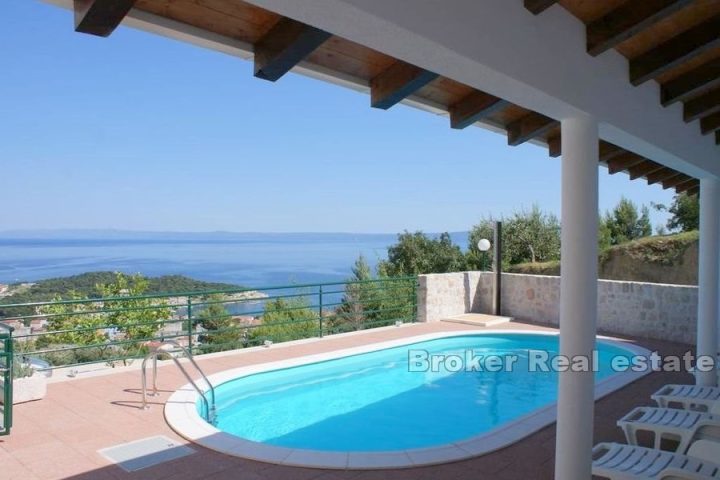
539, 6
702, 106
396, 83
608, 151
100, 17
690, 84
623, 162
660, 175
285, 45
628, 20
678, 179
691, 185
685, 184
528, 127
710, 124
644, 168
474, 107
554, 146
677, 50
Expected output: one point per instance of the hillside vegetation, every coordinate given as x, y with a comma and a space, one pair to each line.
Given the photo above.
655, 259
86, 285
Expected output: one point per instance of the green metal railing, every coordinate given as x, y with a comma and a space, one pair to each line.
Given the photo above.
6, 377
118, 329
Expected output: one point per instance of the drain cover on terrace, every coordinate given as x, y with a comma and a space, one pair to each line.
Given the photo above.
145, 453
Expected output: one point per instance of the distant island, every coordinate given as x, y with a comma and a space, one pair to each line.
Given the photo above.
85, 284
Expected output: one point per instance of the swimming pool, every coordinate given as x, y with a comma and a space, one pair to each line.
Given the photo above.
383, 404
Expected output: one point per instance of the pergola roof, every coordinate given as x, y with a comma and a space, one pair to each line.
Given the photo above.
673, 42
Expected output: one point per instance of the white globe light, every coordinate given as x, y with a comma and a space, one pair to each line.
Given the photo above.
483, 244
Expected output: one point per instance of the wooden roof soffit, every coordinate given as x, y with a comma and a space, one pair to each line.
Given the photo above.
473, 108
702, 106
710, 123
644, 168
100, 17
624, 161
691, 83
554, 146
677, 180
660, 175
627, 20
285, 45
675, 51
397, 82
539, 6
692, 187
528, 127
608, 151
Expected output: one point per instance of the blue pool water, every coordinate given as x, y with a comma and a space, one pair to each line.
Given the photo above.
373, 402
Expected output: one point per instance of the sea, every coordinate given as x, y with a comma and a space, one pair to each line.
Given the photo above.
252, 260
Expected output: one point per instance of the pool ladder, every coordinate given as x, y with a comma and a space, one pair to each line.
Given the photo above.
170, 347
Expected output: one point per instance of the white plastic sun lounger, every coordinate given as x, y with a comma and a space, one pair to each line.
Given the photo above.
630, 462
690, 397
682, 425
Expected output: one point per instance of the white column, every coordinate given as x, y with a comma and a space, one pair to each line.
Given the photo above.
708, 273
578, 295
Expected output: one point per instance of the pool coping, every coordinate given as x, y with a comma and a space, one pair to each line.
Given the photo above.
182, 416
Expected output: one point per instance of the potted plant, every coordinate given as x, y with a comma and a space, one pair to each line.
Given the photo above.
28, 384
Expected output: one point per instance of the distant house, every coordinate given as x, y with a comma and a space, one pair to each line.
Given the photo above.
16, 324
20, 330
38, 324
247, 320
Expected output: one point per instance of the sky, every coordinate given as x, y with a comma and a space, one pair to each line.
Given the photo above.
140, 132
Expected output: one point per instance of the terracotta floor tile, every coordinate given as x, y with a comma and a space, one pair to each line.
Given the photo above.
233, 473
58, 437
11, 468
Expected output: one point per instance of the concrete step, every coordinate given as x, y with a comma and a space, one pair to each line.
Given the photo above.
478, 319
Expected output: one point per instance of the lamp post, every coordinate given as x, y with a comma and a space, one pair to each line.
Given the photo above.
497, 267
483, 245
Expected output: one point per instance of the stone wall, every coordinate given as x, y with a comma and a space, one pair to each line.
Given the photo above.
446, 295
649, 310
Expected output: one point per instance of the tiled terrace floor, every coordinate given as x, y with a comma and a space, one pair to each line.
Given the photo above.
58, 437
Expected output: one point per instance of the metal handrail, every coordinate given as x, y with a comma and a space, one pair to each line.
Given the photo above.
209, 409
205, 292
6, 374
101, 332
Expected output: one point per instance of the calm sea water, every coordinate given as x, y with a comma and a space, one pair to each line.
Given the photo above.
252, 260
